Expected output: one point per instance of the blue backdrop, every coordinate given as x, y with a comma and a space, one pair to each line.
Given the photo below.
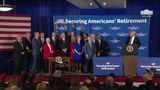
104, 66
113, 29
147, 63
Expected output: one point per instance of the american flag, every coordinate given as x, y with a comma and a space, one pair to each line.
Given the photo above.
12, 25
60, 21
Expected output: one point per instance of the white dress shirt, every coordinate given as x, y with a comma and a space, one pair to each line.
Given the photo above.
132, 40
53, 38
49, 47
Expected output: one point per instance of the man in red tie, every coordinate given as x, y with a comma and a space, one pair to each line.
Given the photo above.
18, 55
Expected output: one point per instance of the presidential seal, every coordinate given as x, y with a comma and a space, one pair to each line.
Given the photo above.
58, 59
130, 48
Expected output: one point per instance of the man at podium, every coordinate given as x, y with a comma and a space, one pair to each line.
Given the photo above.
130, 53
133, 39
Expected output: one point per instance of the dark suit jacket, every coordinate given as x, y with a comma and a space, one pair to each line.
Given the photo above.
18, 49
136, 41
125, 87
107, 87
44, 41
27, 43
63, 45
101, 48
36, 45
55, 44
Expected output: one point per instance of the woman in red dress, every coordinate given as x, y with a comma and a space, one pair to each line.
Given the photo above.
48, 50
72, 52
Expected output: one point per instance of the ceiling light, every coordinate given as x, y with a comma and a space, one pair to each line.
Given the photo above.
4, 7
104, 3
91, 4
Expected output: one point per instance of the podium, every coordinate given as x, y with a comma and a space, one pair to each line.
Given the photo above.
60, 60
65, 60
130, 53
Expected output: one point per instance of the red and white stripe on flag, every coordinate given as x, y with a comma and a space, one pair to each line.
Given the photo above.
12, 25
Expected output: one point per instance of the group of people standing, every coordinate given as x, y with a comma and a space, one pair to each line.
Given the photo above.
32, 54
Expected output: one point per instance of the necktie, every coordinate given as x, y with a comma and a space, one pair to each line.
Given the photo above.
21, 44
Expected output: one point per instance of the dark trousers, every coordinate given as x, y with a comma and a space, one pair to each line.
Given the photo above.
46, 66
42, 63
28, 62
36, 63
19, 64
89, 65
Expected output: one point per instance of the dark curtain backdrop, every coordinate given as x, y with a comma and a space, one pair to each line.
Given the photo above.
42, 12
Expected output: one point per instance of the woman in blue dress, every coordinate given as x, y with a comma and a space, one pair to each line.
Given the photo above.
78, 56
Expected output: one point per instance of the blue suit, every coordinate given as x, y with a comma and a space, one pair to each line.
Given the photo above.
90, 52
36, 45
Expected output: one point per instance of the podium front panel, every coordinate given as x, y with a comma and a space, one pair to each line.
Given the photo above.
130, 64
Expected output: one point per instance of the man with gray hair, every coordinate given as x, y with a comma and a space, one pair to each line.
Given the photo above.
109, 84
57, 73
36, 51
19, 52
90, 52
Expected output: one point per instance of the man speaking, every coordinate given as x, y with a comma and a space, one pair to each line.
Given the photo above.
133, 39
130, 54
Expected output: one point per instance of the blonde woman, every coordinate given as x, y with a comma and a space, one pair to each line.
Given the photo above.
78, 56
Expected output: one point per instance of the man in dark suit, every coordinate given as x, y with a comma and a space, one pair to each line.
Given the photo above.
54, 41
42, 38
18, 56
64, 44
128, 85
28, 50
133, 39
101, 47
36, 51
109, 84
43, 41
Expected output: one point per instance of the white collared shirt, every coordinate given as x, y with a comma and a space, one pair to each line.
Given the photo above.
42, 39
132, 40
49, 47
93, 41
53, 38
20, 42
63, 39
99, 42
